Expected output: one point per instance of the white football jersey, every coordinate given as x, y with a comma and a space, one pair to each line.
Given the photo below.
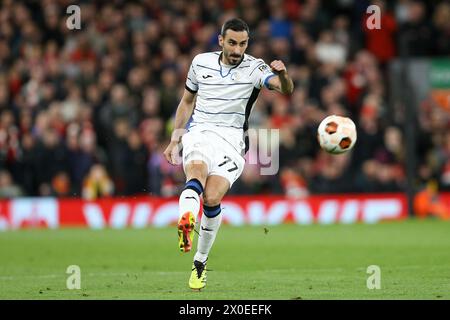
225, 95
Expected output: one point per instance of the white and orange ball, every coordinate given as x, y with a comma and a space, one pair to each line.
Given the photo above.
337, 134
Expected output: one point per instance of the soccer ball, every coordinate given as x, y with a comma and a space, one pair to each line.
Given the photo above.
336, 134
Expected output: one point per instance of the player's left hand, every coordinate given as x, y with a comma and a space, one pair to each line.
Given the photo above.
278, 66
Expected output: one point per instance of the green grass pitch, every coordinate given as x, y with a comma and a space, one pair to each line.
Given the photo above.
281, 262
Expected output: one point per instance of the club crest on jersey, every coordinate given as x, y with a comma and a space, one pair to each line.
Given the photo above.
235, 76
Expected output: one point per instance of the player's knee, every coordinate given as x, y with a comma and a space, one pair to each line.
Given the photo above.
196, 170
212, 198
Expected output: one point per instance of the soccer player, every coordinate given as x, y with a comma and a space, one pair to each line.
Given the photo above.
221, 89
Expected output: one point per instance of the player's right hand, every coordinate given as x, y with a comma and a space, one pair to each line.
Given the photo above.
278, 66
169, 153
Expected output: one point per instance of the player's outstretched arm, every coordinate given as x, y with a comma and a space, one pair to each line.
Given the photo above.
281, 82
184, 112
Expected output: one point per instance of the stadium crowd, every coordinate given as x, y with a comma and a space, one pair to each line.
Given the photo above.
89, 112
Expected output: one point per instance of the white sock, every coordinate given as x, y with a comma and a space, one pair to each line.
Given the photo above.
207, 237
189, 201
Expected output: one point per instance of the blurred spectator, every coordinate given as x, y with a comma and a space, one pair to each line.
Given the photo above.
8, 189
136, 159
117, 153
280, 26
427, 203
381, 41
366, 179
441, 21
328, 50
28, 166
51, 157
168, 100
294, 186
332, 174
97, 183
118, 107
416, 33
61, 185
82, 153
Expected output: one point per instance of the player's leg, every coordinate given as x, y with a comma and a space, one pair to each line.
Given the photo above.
189, 202
215, 190
196, 164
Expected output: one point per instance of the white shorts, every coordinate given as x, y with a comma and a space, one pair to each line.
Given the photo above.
220, 157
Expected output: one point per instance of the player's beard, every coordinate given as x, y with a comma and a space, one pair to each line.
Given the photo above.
233, 59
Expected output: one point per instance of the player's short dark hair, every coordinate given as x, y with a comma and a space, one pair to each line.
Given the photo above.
234, 24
